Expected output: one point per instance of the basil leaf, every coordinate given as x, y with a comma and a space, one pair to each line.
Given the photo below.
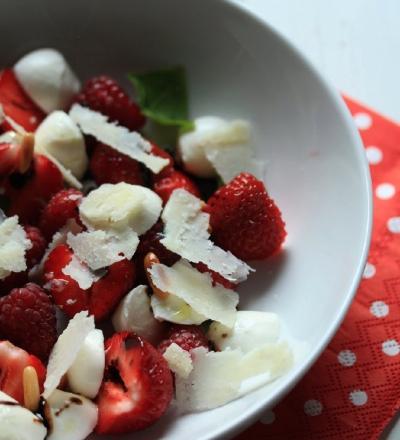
162, 96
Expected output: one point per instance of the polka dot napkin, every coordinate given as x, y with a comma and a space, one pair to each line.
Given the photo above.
353, 390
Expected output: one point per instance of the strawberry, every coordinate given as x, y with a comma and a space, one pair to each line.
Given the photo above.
217, 278
100, 299
187, 337
137, 387
17, 104
245, 220
103, 94
165, 184
33, 256
13, 361
29, 193
109, 166
61, 207
28, 319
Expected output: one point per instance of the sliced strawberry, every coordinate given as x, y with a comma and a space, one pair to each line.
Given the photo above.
61, 207
17, 104
13, 361
137, 387
100, 299
29, 192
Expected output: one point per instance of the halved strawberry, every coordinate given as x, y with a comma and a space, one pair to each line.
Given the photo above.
100, 299
137, 387
29, 193
17, 104
13, 360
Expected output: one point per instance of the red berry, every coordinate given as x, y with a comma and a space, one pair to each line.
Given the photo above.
28, 320
30, 192
217, 278
16, 155
61, 207
109, 166
39, 244
17, 104
100, 299
13, 361
165, 184
245, 220
137, 387
187, 337
103, 94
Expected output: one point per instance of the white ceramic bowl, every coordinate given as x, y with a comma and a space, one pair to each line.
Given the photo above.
238, 67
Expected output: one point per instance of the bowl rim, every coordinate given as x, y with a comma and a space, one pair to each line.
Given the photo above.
248, 417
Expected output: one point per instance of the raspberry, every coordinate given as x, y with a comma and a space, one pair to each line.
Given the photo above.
61, 207
167, 182
187, 337
28, 320
245, 220
39, 244
109, 166
103, 94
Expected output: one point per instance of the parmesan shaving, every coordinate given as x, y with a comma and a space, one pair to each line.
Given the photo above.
13, 246
186, 233
130, 143
220, 377
79, 272
196, 290
99, 249
179, 360
173, 309
66, 349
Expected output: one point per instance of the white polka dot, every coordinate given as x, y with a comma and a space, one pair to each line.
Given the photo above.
347, 358
369, 270
358, 397
362, 120
393, 225
313, 407
374, 155
391, 347
268, 418
379, 309
385, 191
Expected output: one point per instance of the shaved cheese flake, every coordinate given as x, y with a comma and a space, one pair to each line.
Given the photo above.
196, 289
220, 377
79, 272
13, 246
99, 249
179, 360
173, 309
66, 349
186, 233
13, 124
229, 162
127, 142
67, 174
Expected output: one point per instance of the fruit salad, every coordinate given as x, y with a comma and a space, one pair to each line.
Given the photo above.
126, 229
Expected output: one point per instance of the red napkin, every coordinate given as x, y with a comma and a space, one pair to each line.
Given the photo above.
353, 390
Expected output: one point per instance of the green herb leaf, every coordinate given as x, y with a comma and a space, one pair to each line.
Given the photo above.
162, 96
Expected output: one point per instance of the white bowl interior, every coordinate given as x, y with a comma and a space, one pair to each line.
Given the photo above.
237, 67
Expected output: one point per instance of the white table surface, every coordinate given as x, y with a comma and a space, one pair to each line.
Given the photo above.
355, 44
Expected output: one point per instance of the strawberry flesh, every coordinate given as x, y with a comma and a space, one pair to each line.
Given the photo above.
137, 387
